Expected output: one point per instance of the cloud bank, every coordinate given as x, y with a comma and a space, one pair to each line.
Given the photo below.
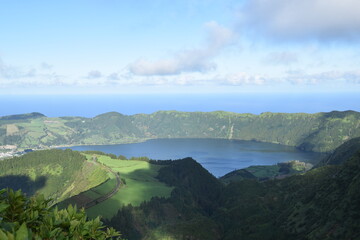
196, 60
281, 58
298, 77
11, 72
94, 74
324, 20
243, 78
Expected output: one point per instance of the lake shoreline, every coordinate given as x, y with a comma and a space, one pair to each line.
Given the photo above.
219, 156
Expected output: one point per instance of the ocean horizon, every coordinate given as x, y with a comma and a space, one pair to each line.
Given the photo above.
128, 104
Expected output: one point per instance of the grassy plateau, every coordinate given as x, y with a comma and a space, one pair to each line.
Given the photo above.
138, 184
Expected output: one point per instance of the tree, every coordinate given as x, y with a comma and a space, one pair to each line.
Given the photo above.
32, 218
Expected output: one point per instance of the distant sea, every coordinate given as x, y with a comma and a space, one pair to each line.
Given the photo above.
92, 105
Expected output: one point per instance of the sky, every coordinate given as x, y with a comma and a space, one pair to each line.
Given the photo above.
179, 46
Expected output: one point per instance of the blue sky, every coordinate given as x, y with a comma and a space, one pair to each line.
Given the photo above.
179, 46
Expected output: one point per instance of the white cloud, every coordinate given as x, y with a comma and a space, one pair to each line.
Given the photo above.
185, 79
328, 77
113, 77
243, 78
281, 58
95, 74
196, 60
291, 77
352, 77
303, 19
46, 66
10, 72
11, 76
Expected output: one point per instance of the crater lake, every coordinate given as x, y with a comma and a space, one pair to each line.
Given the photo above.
218, 156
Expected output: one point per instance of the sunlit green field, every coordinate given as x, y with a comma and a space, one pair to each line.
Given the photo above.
43, 130
141, 185
264, 171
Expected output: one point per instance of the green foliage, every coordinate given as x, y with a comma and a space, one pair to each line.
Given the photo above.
190, 178
237, 175
342, 153
123, 180
322, 203
113, 156
266, 172
184, 215
196, 228
146, 159
22, 218
321, 132
138, 184
55, 173
23, 116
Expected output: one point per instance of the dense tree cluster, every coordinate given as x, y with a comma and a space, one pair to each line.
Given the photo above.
321, 132
32, 218
52, 171
112, 156
120, 157
185, 215
323, 203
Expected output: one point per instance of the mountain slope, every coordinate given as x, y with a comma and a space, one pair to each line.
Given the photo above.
321, 132
323, 203
23, 116
342, 153
185, 215
57, 174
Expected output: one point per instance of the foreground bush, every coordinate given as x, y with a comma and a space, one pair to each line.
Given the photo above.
31, 218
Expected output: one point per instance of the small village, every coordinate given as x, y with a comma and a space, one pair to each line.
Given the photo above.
7, 151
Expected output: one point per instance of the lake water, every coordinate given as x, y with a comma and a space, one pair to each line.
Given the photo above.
218, 156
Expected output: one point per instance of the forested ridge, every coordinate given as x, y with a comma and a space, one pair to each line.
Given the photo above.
23, 218
321, 132
58, 174
323, 203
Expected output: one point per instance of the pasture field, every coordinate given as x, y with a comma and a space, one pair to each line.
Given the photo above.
264, 171
138, 184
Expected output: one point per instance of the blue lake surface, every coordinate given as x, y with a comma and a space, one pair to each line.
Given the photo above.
218, 156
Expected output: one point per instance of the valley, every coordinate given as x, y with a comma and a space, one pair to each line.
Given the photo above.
320, 132
148, 199
180, 120
218, 156
138, 183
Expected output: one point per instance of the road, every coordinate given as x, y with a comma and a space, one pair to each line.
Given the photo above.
109, 194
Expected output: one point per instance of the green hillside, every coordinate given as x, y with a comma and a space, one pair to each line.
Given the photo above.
267, 172
321, 132
138, 185
23, 116
57, 174
342, 153
25, 218
183, 215
323, 203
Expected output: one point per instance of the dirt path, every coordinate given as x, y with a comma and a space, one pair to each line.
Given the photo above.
109, 194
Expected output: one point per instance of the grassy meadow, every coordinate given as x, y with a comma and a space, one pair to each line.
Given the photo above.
138, 184
58, 174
